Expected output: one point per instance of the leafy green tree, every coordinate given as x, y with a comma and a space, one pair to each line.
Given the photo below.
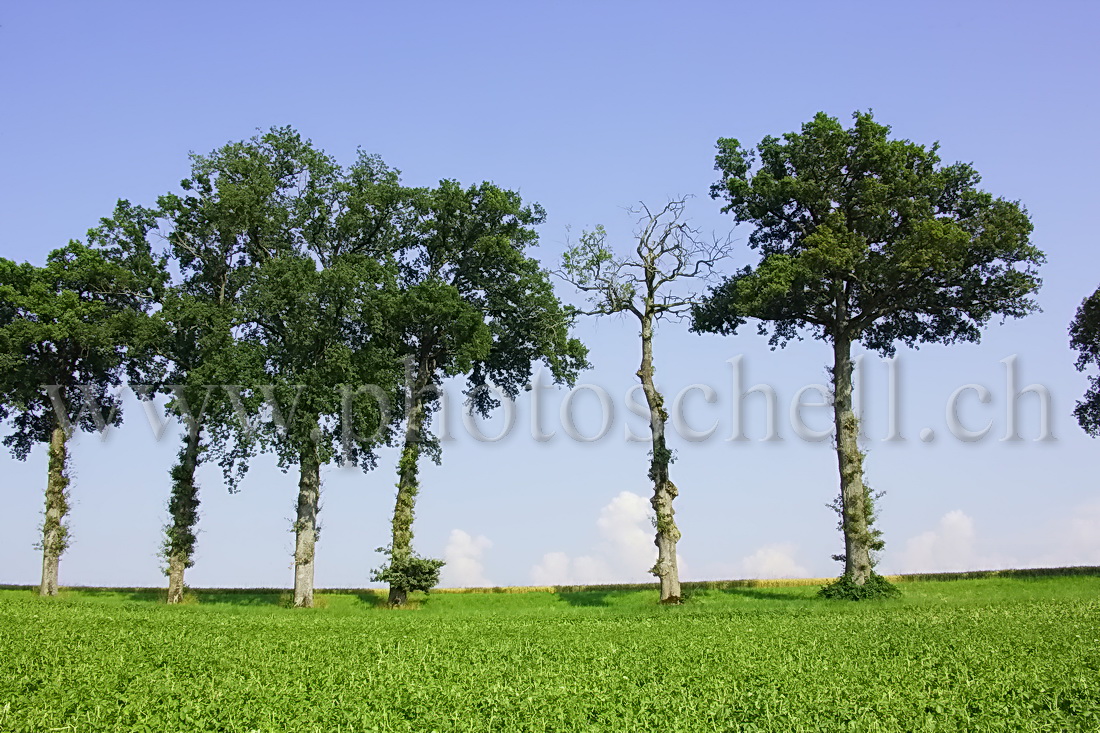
472, 302
67, 332
866, 239
318, 309
1084, 338
648, 284
219, 229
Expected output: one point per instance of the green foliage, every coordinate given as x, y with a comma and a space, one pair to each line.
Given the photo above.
76, 323
868, 238
999, 654
661, 457
228, 219
473, 301
320, 296
593, 268
870, 536
845, 589
1084, 333
408, 571
183, 505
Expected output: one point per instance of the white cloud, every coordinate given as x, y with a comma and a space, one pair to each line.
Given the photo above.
950, 547
553, 570
464, 567
627, 532
624, 554
773, 561
954, 545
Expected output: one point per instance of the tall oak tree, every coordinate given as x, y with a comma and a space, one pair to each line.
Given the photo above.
473, 301
871, 240
68, 337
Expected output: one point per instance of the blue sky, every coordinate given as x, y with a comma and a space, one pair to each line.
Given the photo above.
585, 108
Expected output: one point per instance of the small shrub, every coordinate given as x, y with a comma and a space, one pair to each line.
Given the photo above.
409, 573
844, 588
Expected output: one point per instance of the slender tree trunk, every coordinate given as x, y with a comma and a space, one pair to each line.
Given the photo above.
55, 535
407, 489
305, 528
858, 537
183, 507
664, 491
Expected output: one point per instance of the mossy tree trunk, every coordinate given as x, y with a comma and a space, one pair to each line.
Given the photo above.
404, 508
183, 508
55, 535
855, 501
664, 491
305, 526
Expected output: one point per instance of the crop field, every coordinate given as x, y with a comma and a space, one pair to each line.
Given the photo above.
988, 653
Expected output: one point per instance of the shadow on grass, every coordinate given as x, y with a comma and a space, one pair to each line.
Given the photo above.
243, 597
374, 600
262, 598
765, 594
586, 598
284, 598
604, 598
143, 595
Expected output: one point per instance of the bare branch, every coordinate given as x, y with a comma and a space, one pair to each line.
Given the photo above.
667, 252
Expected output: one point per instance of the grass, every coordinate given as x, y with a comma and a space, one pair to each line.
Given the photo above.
993, 652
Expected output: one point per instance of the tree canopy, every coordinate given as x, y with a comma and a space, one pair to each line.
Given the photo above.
1084, 338
71, 324
868, 238
474, 301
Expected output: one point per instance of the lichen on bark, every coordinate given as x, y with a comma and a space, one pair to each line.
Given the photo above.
55, 532
306, 527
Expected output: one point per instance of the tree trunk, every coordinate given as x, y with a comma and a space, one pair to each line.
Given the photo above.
305, 528
183, 508
664, 491
854, 501
407, 489
55, 535
176, 566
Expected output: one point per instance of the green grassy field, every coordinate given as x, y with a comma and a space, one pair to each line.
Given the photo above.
993, 653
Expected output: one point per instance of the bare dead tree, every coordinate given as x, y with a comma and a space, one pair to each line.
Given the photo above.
654, 282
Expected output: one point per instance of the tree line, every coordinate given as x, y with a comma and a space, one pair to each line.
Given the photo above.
276, 269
